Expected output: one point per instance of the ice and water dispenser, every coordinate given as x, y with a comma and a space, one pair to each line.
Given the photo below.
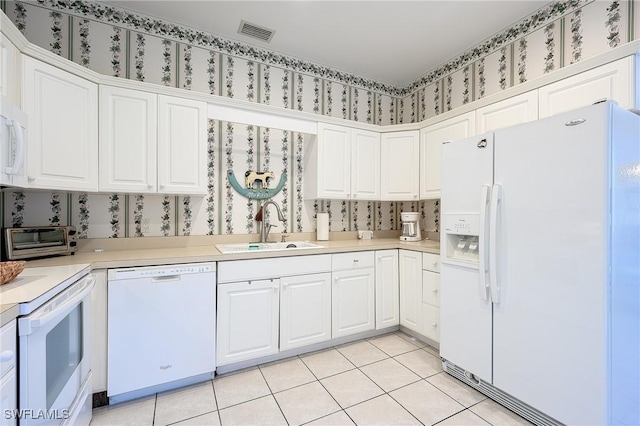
461, 232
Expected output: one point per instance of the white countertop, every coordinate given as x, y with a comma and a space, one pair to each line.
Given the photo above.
42, 276
32, 283
146, 256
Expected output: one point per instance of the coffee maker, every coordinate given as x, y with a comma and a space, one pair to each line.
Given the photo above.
410, 226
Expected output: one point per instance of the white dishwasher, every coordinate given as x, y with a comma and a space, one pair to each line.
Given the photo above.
161, 328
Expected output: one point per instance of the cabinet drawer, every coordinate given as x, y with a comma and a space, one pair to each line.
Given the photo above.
431, 262
354, 260
8, 337
257, 269
431, 322
431, 288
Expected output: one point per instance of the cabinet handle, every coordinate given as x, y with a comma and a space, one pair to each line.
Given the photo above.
435, 265
6, 355
415, 196
356, 260
275, 288
150, 186
435, 291
434, 325
31, 178
336, 279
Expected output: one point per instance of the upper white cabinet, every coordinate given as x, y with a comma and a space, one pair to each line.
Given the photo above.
431, 139
387, 290
399, 166
343, 163
615, 80
128, 135
152, 143
63, 128
509, 112
365, 165
9, 71
182, 146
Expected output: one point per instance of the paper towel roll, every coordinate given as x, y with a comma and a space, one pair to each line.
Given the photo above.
322, 225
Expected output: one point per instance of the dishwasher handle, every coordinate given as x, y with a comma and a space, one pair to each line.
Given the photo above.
165, 278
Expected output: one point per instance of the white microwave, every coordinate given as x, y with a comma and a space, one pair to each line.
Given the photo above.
13, 145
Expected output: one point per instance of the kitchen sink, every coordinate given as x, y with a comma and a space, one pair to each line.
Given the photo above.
248, 247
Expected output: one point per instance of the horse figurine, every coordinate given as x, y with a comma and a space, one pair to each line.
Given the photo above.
251, 177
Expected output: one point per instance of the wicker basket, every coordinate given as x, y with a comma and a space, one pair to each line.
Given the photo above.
10, 270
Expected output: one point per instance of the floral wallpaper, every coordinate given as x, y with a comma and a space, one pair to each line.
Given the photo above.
126, 45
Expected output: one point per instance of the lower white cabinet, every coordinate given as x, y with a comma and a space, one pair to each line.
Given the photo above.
305, 310
410, 271
8, 376
352, 294
99, 331
431, 296
247, 320
270, 305
387, 291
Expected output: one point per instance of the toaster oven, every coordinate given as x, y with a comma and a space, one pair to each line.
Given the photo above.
40, 241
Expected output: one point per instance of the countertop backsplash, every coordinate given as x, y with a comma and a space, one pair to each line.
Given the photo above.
156, 215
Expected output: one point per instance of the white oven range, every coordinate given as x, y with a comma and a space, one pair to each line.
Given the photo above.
54, 346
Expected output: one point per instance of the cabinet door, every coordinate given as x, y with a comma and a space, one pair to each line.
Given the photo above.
614, 81
431, 288
9, 71
8, 400
305, 310
410, 271
352, 304
8, 380
365, 165
387, 289
431, 139
128, 139
63, 128
247, 320
182, 146
399, 166
431, 322
509, 112
330, 165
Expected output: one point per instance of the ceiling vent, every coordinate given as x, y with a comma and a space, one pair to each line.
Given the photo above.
255, 31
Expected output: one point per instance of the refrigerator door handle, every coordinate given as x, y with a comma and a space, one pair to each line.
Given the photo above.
496, 200
483, 284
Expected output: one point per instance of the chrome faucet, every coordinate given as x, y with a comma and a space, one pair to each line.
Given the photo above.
261, 217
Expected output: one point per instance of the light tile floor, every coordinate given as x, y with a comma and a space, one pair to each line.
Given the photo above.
388, 380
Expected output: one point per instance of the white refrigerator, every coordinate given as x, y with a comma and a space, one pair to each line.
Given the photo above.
540, 274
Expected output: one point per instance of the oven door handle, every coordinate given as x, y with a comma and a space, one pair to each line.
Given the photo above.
28, 324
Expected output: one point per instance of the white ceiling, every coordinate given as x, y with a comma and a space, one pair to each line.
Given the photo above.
393, 42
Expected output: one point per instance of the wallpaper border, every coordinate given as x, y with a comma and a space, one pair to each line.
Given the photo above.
115, 15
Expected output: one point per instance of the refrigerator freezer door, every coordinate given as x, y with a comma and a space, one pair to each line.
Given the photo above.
550, 326
465, 335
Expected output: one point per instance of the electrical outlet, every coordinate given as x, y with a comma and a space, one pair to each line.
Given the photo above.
145, 225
